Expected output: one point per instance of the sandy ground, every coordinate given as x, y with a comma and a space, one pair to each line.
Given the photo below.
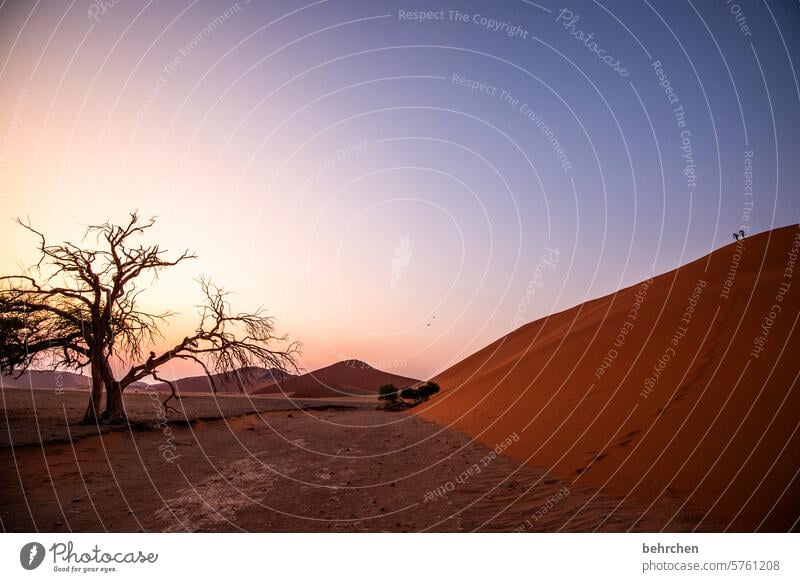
340, 469
30, 417
685, 387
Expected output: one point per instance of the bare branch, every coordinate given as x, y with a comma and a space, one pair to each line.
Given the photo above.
173, 393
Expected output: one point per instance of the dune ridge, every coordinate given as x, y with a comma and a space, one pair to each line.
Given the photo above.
680, 389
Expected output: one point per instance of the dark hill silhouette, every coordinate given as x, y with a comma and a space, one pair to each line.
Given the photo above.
50, 380
346, 378
244, 380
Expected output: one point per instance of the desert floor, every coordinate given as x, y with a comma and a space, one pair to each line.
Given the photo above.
271, 465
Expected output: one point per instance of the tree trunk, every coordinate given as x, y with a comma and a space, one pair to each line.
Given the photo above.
115, 409
92, 414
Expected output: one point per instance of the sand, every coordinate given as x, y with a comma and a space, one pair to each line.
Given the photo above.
331, 470
32, 417
681, 390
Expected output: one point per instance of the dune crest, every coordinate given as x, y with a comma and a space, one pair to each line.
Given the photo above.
680, 389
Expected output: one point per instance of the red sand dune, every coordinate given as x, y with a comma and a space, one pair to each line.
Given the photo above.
346, 378
683, 389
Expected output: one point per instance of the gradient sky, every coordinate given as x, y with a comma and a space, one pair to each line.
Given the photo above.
322, 161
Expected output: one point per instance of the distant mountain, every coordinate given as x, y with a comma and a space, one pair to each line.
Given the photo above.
47, 380
243, 380
346, 378
51, 380
250, 379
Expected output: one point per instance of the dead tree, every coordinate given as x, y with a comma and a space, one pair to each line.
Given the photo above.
77, 308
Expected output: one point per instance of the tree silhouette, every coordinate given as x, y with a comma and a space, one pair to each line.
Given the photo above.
409, 394
427, 390
389, 393
78, 306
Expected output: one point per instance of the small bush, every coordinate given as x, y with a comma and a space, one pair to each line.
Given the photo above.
389, 393
395, 398
427, 390
410, 394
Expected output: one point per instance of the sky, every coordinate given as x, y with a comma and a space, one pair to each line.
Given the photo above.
400, 182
